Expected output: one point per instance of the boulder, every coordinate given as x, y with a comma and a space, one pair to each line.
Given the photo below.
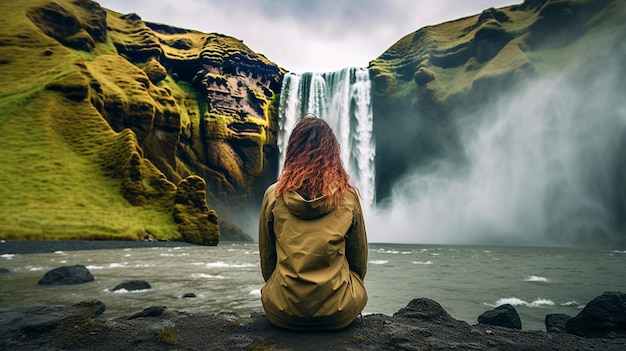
602, 317
152, 311
67, 275
503, 316
4, 270
189, 296
424, 309
133, 285
555, 323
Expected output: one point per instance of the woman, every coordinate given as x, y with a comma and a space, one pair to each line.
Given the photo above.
312, 238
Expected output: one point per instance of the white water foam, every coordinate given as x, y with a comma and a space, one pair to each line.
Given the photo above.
514, 301
207, 276
221, 264
418, 262
378, 261
534, 278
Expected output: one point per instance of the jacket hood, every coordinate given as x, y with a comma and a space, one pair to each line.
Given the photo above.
306, 209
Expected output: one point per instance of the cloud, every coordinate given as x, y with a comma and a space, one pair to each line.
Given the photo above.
302, 35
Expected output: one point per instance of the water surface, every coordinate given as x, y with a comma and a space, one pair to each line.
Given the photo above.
465, 280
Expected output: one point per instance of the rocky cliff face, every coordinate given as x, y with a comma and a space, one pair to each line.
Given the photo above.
221, 96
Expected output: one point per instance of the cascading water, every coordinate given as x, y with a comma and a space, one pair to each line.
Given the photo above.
342, 99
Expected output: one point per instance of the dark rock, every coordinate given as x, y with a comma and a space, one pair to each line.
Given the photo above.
34, 321
152, 311
230, 232
503, 316
555, 323
602, 317
4, 270
424, 309
67, 275
133, 285
189, 296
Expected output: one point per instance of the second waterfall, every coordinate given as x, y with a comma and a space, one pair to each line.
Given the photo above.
343, 100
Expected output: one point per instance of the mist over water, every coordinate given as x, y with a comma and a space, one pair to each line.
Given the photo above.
544, 166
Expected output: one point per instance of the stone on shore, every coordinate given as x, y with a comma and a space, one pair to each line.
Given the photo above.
503, 316
133, 285
602, 317
67, 275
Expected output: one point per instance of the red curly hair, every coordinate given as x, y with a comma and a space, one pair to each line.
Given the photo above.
313, 166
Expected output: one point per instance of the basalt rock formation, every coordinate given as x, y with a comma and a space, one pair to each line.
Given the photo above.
115, 111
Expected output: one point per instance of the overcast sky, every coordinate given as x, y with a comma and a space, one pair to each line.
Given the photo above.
308, 35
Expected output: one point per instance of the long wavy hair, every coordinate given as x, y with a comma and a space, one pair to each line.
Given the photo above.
313, 166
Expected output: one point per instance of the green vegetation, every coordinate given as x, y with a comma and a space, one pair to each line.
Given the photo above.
167, 335
56, 179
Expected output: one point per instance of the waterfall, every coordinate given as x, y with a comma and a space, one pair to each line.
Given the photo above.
342, 99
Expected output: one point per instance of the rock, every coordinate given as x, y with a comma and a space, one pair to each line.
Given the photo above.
555, 323
133, 285
503, 316
34, 321
153, 311
602, 317
67, 275
230, 232
195, 222
4, 270
189, 296
424, 309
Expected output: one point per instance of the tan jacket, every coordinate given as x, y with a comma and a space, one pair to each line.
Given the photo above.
313, 261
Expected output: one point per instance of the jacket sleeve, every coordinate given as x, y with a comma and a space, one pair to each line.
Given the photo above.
267, 242
356, 241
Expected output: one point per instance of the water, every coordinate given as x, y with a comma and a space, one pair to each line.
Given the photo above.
343, 100
465, 280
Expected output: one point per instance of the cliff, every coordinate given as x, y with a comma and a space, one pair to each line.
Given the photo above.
103, 115
427, 81
114, 128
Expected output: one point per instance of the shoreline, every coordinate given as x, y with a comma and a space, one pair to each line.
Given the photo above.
422, 325
51, 246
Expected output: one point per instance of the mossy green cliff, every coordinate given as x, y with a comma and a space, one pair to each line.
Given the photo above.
113, 127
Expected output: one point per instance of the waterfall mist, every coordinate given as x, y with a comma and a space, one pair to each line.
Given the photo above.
545, 165
542, 164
